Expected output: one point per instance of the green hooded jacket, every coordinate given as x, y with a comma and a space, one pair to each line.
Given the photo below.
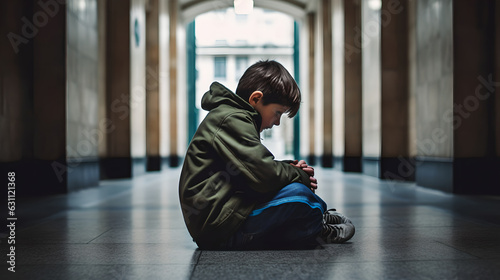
227, 171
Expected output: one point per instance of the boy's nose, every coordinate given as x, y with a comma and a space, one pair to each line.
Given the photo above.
277, 123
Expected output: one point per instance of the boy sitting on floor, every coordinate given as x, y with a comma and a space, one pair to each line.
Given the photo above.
233, 194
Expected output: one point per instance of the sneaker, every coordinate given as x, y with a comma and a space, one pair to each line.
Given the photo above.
333, 217
338, 233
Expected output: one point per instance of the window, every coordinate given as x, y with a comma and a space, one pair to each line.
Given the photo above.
241, 18
220, 42
241, 66
220, 67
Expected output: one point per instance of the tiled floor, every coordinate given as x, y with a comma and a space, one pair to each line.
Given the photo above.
133, 229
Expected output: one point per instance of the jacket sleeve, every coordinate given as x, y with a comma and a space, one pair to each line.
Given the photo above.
238, 143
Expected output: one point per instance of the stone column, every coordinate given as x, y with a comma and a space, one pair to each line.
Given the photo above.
50, 86
311, 20
118, 161
49, 100
153, 87
434, 94
164, 82
395, 90
385, 89
369, 36
126, 82
85, 128
456, 116
351, 160
102, 19
16, 91
327, 157
474, 93
138, 86
173, 17
497, 79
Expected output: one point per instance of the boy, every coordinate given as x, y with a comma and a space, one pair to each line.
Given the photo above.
233, 194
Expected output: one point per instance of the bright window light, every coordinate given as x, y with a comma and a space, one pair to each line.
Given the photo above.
375, 4
243, 7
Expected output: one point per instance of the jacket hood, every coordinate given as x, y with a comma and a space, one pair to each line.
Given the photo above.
220, 95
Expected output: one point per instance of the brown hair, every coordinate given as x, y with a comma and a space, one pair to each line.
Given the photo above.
274, 81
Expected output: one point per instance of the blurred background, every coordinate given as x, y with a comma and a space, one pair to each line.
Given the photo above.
402, 90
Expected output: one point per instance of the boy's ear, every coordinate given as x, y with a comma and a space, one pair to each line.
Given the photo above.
255, 97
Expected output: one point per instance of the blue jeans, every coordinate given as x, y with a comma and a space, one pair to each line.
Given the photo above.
292, 219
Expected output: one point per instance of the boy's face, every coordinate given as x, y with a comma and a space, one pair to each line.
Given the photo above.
270, 113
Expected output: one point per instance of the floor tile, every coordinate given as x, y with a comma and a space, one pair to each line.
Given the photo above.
173, 237
95, 271
440, 269
105, 254
134, 229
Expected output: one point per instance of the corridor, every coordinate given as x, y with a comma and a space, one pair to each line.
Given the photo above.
99, 100
133, 229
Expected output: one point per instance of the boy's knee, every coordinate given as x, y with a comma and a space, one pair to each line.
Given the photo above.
298, 189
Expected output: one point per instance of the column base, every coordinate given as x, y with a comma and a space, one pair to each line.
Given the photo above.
153, 163
371, 166
139, 166
116, 167
471, 176
351, 164
435, 173
327, 161
82, 173
311, 159
48, 177
390, 168
174, 161
476, 176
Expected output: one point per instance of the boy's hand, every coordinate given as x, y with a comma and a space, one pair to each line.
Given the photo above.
309, 170
314, 184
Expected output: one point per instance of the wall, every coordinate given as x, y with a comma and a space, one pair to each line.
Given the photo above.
497, 78
49, 167
474, 168
52, 88
101, 25
434, 90
394, 81
412, 80
16, 85
352, 103
84, 129
338, 81
371, 88
304, 87
173, 74
455, 104
118, 78
318, 88
125, 94
434, 93
152, 86
138, 85
182, 124
327, 73
164, 82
